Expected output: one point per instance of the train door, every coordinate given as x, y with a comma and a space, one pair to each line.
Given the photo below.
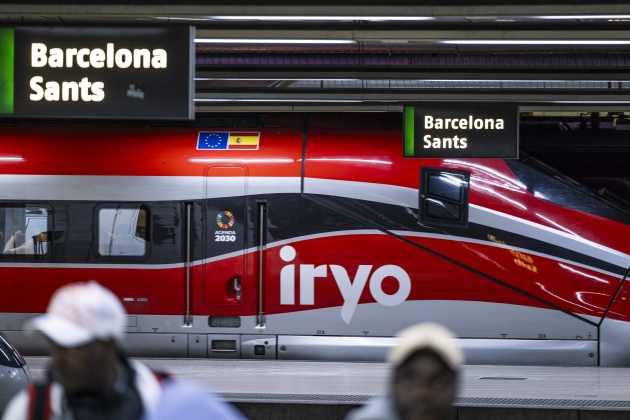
225, 257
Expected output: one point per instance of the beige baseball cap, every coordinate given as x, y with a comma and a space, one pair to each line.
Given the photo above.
80, 313
429, 336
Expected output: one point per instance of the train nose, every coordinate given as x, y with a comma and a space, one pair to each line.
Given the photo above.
14, 374
12, 381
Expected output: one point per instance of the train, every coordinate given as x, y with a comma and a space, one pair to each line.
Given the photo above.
310, 237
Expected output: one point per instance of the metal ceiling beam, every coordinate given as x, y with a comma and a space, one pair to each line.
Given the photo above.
438, 73
421, 35
381, 107
555, 109
594, 96
296, 107
343, 8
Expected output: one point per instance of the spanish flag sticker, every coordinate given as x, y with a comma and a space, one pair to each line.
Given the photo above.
244, 141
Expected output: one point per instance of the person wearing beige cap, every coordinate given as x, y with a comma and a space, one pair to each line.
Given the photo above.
425, 364
89, 377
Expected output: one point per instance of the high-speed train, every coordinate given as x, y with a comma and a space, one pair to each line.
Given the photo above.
310, 237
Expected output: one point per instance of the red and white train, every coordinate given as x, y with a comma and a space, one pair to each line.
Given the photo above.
310, 240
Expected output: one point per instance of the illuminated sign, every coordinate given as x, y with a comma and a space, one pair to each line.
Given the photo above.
6, 71
97, 72
461, 130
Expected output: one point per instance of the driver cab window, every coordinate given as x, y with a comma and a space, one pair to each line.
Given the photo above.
444, 196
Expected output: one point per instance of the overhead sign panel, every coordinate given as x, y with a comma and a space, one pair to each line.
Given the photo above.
461, 130
97, 72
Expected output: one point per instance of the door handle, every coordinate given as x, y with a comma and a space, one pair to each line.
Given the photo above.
237, 287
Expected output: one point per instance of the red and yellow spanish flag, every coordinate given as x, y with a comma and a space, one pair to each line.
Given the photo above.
244, 141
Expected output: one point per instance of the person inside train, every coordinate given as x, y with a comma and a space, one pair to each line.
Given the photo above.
425, 366
18, 244
89, 376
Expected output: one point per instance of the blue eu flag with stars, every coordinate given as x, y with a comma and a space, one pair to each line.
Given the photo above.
212, 140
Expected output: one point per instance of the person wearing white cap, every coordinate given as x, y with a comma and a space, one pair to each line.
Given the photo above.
425, 364
90, 379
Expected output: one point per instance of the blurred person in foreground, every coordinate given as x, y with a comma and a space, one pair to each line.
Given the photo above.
424, 379
89, 377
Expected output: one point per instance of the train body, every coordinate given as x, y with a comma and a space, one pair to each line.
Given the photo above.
310, 240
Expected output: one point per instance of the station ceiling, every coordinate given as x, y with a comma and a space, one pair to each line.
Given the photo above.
378, 55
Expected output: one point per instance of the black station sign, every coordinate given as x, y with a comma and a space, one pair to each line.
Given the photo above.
461, 130
99, 72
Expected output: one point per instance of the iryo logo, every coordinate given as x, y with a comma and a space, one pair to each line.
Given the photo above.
350, 289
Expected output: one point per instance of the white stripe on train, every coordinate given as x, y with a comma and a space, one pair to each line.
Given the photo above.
138, 188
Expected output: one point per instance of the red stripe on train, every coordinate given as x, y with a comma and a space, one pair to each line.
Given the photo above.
572, 288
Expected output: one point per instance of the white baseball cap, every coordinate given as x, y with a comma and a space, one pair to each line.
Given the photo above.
428, 336
80, 313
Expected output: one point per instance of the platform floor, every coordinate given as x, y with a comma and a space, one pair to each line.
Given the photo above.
355, 383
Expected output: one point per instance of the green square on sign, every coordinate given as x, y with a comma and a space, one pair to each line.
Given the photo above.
6, 70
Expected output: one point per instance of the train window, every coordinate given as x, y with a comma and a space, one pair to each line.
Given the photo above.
552, 186
444, 196
9, 356
123, 231
25, 231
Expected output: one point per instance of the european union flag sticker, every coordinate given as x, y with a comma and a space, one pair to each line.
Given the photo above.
212, 140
